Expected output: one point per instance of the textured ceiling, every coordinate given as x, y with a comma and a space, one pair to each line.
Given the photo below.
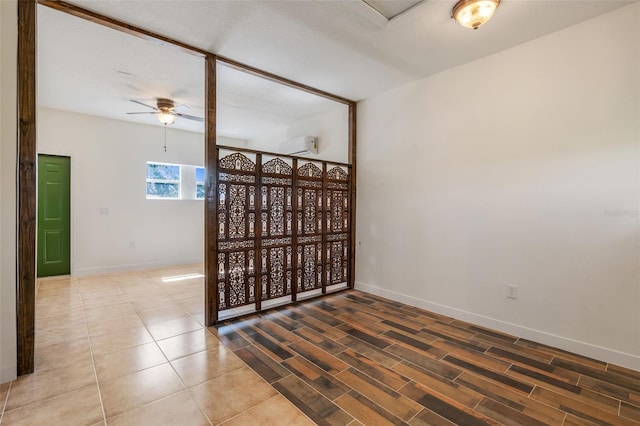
344, 47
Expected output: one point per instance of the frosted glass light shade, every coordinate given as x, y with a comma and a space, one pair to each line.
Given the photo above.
474, 13
166, 118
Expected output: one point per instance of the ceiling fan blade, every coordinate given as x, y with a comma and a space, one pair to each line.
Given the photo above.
181, 107
190, 117
152, 113
143, 104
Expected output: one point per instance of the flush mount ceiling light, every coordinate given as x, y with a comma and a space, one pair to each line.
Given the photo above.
474, 13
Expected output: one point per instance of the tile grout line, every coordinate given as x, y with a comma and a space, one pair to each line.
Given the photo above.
4, 403
180, 379
155, 341
93, 362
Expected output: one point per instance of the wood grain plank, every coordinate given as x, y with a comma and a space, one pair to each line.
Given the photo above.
322, 359
259, 362
505, 415
276, 332
415, 343
461, 343
515, 400
501, 378
610, 389
448, 388
524, 361
319, 340
476, 357
483, 330
366, 337
418, 358
229, 337
383, 357
630, 411
546, 380
310, 311
514, 348
449, 331
445, 407
311, 402
316, 377
371, 368
625, 372
429, 418
385, 397
284, 321
365, 410
400, 326
556, 352
596, 373
572, 420
273, 349
579, 408
323, 328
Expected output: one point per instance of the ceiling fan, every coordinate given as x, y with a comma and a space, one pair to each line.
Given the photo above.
166, 111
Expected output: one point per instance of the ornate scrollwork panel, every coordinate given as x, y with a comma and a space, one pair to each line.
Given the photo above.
229, 177
237, 279
237, 161
310, 170
237, 210
277, 166
336, 263
309, 266
309, 211
276, 211
337, 173
276, 272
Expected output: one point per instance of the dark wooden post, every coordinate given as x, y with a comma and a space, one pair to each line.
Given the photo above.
27, 157
352, 194
211, 195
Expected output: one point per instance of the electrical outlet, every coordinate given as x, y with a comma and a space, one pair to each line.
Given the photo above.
512, 292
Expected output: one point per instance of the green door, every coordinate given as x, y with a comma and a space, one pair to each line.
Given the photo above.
54, 207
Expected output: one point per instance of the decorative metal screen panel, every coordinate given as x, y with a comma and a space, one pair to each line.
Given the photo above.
283, 227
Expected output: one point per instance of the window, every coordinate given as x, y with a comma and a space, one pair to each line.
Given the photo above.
163, 180
200, 183
175, 181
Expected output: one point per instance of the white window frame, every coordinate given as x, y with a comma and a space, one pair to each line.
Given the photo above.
200, 182
187, 183
171, 181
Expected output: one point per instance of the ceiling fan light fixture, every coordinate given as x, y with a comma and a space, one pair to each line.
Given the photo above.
474, 13
166, 118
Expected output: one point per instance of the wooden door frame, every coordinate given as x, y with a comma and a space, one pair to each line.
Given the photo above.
27, 159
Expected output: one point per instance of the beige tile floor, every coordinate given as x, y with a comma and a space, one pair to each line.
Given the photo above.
131, 349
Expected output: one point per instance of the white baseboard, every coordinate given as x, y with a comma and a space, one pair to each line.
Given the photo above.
134, 267
8, 374
565, 343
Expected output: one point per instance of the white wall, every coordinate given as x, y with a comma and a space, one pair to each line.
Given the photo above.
108, 170
331, 128
521, 168
8, 64
229, 141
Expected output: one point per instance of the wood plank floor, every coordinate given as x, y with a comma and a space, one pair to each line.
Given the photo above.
355, 358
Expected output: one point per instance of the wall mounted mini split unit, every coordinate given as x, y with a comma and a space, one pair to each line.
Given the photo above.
300, 146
